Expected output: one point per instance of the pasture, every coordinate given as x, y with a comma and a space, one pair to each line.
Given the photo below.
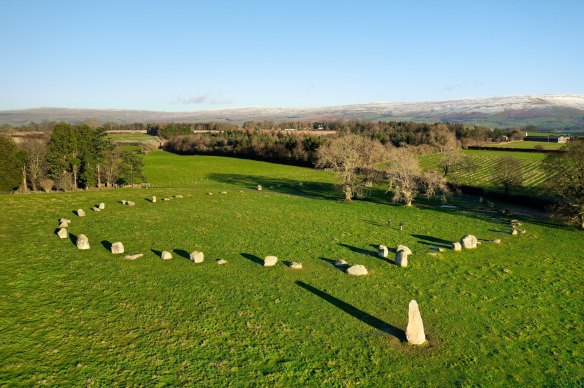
503, 314
526, 145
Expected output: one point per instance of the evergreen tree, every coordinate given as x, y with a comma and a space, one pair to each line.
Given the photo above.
11, 162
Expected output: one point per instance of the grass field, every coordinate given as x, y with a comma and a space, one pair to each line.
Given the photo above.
503, 314
121, 138
485, 163
526, 145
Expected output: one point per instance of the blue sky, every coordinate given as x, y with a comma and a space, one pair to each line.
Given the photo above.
193, 55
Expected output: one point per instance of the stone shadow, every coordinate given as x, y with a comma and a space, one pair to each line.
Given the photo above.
332, 262
156, 252
73, 238
253, 258
107, 245
359, 250
182, 253
356, 313
433, 241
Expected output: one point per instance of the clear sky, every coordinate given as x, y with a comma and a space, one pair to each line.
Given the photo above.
192, 55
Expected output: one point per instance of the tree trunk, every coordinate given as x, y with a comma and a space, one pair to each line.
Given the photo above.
24, 185
75, 177
409, 203
348, 193
98, 177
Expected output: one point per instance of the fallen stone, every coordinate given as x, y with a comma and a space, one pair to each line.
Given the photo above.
62, 233
241, 191
101, 206
166, 199
270, 261
496, 241
130, 203
341, 263
514, 232
224, 192
133, 256
357, 270
209, 193
197, 257
468, 241
117, 248
82, 242
221, 261
81, 212
64, 220
382, 251
415, 330
295, 265
401, 258
178, 196
433, 253
407, 250
153, 199
456, 246
96, 209
165, 255
63, 224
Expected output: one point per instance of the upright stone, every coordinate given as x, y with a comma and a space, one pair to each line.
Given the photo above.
154, 199
101, 206
130, 203
62, 233
81, 212
117, 248
259, 187
382, 251
456, 246
270, 261
197, 257
64, 224
401, 258
166, 255
82, 242
415, 330
468, 241
407, 250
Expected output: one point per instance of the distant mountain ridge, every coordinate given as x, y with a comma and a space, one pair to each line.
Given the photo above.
559, 111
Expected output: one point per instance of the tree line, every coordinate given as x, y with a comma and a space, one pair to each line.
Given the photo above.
75, 157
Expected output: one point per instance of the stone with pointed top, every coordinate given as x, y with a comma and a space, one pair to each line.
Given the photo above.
415, 330
82, 242
81, 212
62, 233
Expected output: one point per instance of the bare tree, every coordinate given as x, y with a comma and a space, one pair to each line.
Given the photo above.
508, 174
407, 180
567, 182
350, 157
35, 151
453, 163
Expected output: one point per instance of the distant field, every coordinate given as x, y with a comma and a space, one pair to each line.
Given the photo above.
485, 162
120, 138
526, 145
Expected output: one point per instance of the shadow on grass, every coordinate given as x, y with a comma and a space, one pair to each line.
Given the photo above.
386, 259
355, 312
156, 252
360, 250
499, 231
332, 262
182, 253
73, 238
253, 258
433, 241
107, 245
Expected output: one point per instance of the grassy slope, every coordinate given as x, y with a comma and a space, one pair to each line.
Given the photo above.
526, 145
72, 317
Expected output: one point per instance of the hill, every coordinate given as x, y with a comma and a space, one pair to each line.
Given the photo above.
551, 112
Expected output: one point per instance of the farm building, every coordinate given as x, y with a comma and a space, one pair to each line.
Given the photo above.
550, 139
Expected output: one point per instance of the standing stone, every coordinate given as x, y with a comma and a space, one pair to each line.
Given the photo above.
101, 206
64, 224
81, 212
415, 330
153, 199
382, 251
468, 241
407, 250
166, 255
130, 203
456, 246
401, 258
82, 242
259, 187
178, 196
295, 265
357, 270
62, 233
341, 263
197, 257
117, 247
124, 202
270, 261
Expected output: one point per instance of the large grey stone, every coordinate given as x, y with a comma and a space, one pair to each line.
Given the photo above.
117, 248
130, 203
62, 233
415, 330
270, 261
166, 255
357, 270
401, 258
81, 212
197, 257
82, 242
468, 241
407, 250
382, 251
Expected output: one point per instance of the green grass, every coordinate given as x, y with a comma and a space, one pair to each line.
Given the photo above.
526, 145
507, 314
485, 163
120, 138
